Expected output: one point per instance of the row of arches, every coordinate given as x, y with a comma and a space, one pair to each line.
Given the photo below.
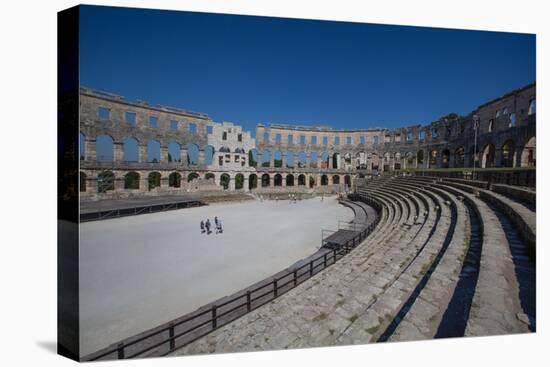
132, 180
486, 156
445, 158
106, 150
106, 180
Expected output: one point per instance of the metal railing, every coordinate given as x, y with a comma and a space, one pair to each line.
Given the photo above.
177, 333
137, 210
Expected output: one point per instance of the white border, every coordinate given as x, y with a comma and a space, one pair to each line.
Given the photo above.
28, 185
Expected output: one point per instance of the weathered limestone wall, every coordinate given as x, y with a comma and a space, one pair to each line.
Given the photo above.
506, 138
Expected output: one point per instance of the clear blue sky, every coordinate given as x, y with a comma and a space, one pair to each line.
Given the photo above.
258, 69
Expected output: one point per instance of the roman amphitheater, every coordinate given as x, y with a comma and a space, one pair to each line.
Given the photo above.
435, 233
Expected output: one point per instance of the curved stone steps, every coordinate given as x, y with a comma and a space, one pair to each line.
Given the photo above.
403, 198
523, 217
422, 319
407, 261
523, 195
496, 307
360, 217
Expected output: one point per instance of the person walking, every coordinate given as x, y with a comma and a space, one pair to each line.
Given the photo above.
202, 226
216, 221
207, 225
219, 227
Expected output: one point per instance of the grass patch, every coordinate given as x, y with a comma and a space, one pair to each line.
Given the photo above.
353, 318
322, 316
372, 330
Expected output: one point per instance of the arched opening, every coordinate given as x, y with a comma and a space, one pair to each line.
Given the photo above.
252, 181
324, 180
324, 160
409, 160
459, 157
224, 181
336, 160
361, 160
311, 182
313, 159
239, 181
347, 180
278, 180
387, 160
153, 151
192, 154
302, 160
290, 159
210, 176
266, 157
130, 150
192, 176
82, 146
420, 158
253, 158
290, 180
375, 162
347, 159
301, 180
131, 181
488, 157
265, 180
153, 180
105, 181
445, 158
397, 161
335, 180
508, 154
83, 182
174, 152
209, 154
433, 159
528, 155
174, 179
278, 159
104, 148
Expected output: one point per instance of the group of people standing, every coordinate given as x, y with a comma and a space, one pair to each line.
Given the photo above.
291, 198
205, 226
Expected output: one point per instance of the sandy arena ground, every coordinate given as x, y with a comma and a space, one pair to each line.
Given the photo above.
139, 272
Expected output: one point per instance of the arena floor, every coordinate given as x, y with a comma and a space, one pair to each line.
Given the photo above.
139, 272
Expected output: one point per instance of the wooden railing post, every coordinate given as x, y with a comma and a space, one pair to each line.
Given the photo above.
248, 302
120, 350
311, 269
214, 317
325, 259
171, 335
275, 290
295, 277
